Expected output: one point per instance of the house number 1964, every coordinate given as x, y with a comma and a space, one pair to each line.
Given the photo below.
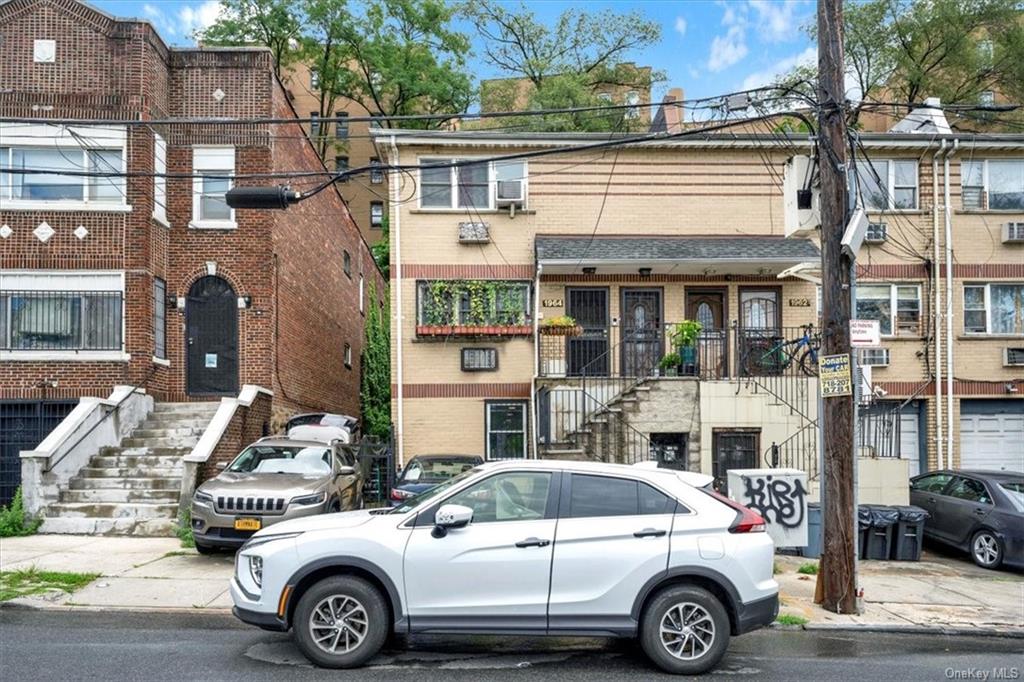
552, 303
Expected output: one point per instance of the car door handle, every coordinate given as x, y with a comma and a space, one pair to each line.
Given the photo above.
980, 512
533, 542
650, 533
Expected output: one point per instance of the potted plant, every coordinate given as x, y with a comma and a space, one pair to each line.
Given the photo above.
563, 325
684, 337
670, 364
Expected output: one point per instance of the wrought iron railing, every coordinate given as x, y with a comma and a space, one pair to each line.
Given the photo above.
575, 420
60, 320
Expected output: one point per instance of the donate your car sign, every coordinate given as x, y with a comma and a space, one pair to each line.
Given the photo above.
834, 375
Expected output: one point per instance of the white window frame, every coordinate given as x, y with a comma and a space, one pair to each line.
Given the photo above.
160, 180
987, 287
216, 160
986, 185
492, 183
47, 137
67, 280
894, 287
487, 424
379, 224
890, 188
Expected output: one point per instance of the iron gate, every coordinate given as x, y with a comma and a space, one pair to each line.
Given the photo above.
375, 458
23, 426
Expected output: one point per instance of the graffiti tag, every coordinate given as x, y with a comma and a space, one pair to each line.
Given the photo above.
777, 500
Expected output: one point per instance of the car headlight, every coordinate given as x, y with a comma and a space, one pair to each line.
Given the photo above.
256, 569
200, 496
309, 499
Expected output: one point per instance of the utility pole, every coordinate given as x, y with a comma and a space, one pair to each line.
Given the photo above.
836, 589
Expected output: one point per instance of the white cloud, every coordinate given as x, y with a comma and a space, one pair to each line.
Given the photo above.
680, 26
778, 20
779, 68
160, 20
196, 18
728, 49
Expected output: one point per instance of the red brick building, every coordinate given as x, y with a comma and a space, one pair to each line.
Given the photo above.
120, 261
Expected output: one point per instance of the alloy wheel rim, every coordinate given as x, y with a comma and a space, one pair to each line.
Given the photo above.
986, 549
338, 624
687, 631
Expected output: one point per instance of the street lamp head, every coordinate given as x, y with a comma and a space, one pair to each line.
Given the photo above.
261, 197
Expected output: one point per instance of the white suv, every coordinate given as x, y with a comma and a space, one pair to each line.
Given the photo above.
518, 547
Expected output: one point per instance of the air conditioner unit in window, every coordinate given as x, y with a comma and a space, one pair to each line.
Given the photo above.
876, 234
1013, 357
510, 193
1013, 233
874, 357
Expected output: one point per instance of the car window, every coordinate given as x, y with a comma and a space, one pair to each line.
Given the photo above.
434, 470
605, 496
344, 457
935, 483
413, 472
278, 459
512, 496
970, 490
430, 495
1015, 491
304, 420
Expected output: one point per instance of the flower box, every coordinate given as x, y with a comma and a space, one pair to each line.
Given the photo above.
561, 330
473, 330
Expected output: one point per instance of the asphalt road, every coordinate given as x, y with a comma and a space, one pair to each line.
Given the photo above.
48, 645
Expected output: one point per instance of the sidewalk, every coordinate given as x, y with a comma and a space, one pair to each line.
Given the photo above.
942, 593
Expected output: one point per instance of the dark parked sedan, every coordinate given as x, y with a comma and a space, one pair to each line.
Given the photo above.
980, 512
423, 472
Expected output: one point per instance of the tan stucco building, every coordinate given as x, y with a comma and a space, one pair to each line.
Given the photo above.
629, 241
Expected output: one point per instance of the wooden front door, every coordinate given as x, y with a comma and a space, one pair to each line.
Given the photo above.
707, 306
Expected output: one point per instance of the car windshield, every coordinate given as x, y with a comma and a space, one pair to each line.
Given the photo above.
427, 495
435, 470
309, 460
1015, 491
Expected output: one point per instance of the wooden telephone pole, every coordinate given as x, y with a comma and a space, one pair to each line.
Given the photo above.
836, 589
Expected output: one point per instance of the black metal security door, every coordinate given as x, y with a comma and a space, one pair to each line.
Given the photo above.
732, 450
212, 324
588, 353
23, 426
641, 331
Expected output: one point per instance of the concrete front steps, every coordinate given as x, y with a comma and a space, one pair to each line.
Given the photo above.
133, 489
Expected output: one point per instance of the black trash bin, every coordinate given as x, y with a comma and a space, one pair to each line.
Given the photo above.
909, 533
883, 525
863, 526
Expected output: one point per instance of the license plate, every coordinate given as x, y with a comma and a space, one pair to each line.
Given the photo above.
247, 524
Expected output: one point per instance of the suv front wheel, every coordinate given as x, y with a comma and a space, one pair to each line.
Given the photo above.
341, 622
685, 630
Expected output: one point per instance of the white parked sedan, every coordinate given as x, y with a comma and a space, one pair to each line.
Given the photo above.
523, 547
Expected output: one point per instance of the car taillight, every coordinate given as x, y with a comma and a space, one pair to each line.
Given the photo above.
399, 495
746, 521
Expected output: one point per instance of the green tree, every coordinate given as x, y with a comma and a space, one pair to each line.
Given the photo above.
382, 249
375, 389
563, 65
257, 22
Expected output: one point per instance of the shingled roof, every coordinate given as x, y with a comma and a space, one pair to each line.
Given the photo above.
549, 248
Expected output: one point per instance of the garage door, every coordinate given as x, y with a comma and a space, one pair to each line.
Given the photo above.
910, 444
992, 434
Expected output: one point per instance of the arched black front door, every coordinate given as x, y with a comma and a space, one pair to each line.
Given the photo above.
211, 319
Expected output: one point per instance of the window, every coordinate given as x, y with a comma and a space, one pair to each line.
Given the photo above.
473, 302
506, 430
897, 307
60, 320
341, 166
348, 355
376, 173
996, 185
346, 261
970, 490
377, 214
605, 496
159, 318
933, 483
995, 308
510, 183
887, 185
760, 308
513, 496
633, 102
471, 186
314, 124
212, 170
341, 127
314, 79
159, 181
479, 359
59, 186
986, 98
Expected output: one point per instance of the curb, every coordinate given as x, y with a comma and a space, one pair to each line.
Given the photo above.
20, 604
956, 631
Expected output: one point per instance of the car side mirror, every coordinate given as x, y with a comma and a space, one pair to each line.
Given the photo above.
346, 470
222, 465
451, 516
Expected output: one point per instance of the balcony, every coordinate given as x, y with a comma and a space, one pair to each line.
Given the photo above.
473, 308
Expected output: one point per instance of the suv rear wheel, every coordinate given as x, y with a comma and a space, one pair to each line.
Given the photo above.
685, 630
341, 622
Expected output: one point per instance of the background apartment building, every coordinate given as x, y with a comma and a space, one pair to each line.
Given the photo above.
628, 242
151, 279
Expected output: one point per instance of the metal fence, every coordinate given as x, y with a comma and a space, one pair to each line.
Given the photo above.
60, 320
23, 425
376, 460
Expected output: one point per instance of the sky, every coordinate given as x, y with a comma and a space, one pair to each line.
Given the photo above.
707, 47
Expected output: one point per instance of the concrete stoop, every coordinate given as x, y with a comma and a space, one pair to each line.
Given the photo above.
133, 489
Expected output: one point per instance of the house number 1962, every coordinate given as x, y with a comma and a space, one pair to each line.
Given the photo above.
552, 303
799, 303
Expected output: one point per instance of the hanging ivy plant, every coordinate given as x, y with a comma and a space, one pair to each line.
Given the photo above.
474, 302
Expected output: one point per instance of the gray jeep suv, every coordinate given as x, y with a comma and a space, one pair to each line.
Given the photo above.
272, 480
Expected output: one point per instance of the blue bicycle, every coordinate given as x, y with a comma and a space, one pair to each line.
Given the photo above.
774, 355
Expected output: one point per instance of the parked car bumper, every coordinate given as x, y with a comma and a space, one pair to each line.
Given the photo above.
756, 614
267, 621
212, 529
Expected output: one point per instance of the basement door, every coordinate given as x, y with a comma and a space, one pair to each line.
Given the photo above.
211, 319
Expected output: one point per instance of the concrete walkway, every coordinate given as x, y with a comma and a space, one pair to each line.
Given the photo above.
940, 593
